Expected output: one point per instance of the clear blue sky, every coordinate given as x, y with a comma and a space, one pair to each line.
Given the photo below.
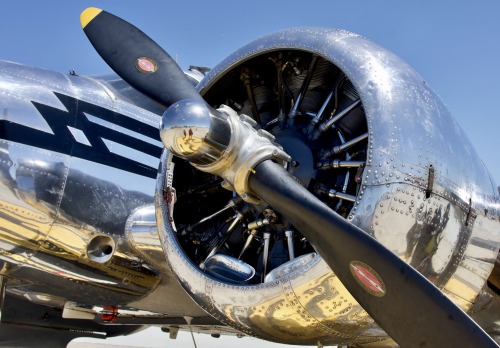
454, 45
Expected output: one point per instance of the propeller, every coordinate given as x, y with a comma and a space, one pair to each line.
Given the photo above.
136, 58
402, 301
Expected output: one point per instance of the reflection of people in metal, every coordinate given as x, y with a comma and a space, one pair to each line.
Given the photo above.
424, 237
189, 143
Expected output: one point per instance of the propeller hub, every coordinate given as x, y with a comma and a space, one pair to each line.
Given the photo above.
219, 141
192, 130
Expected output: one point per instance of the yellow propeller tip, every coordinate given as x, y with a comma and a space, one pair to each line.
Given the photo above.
88, 15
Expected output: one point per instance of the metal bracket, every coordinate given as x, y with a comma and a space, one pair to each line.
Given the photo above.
469, 213
430, 182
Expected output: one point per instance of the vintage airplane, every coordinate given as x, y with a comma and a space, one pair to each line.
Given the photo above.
311, 189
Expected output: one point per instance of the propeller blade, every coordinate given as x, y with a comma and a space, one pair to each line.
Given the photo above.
136, 58
401, 300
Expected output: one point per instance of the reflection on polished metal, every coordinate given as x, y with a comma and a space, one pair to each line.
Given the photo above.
302, 301
45, 299
218, 141
227, 268
289, 267
63, 213
194, 131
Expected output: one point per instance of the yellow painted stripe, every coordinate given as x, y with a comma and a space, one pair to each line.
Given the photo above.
88, 15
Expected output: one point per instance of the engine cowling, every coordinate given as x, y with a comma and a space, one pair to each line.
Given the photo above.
368, 137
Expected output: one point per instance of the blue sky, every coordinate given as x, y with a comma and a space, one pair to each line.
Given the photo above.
454, 45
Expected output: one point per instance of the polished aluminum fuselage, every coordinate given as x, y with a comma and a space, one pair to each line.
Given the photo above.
78, 166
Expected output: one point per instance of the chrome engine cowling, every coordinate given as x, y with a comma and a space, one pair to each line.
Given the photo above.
368, 137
